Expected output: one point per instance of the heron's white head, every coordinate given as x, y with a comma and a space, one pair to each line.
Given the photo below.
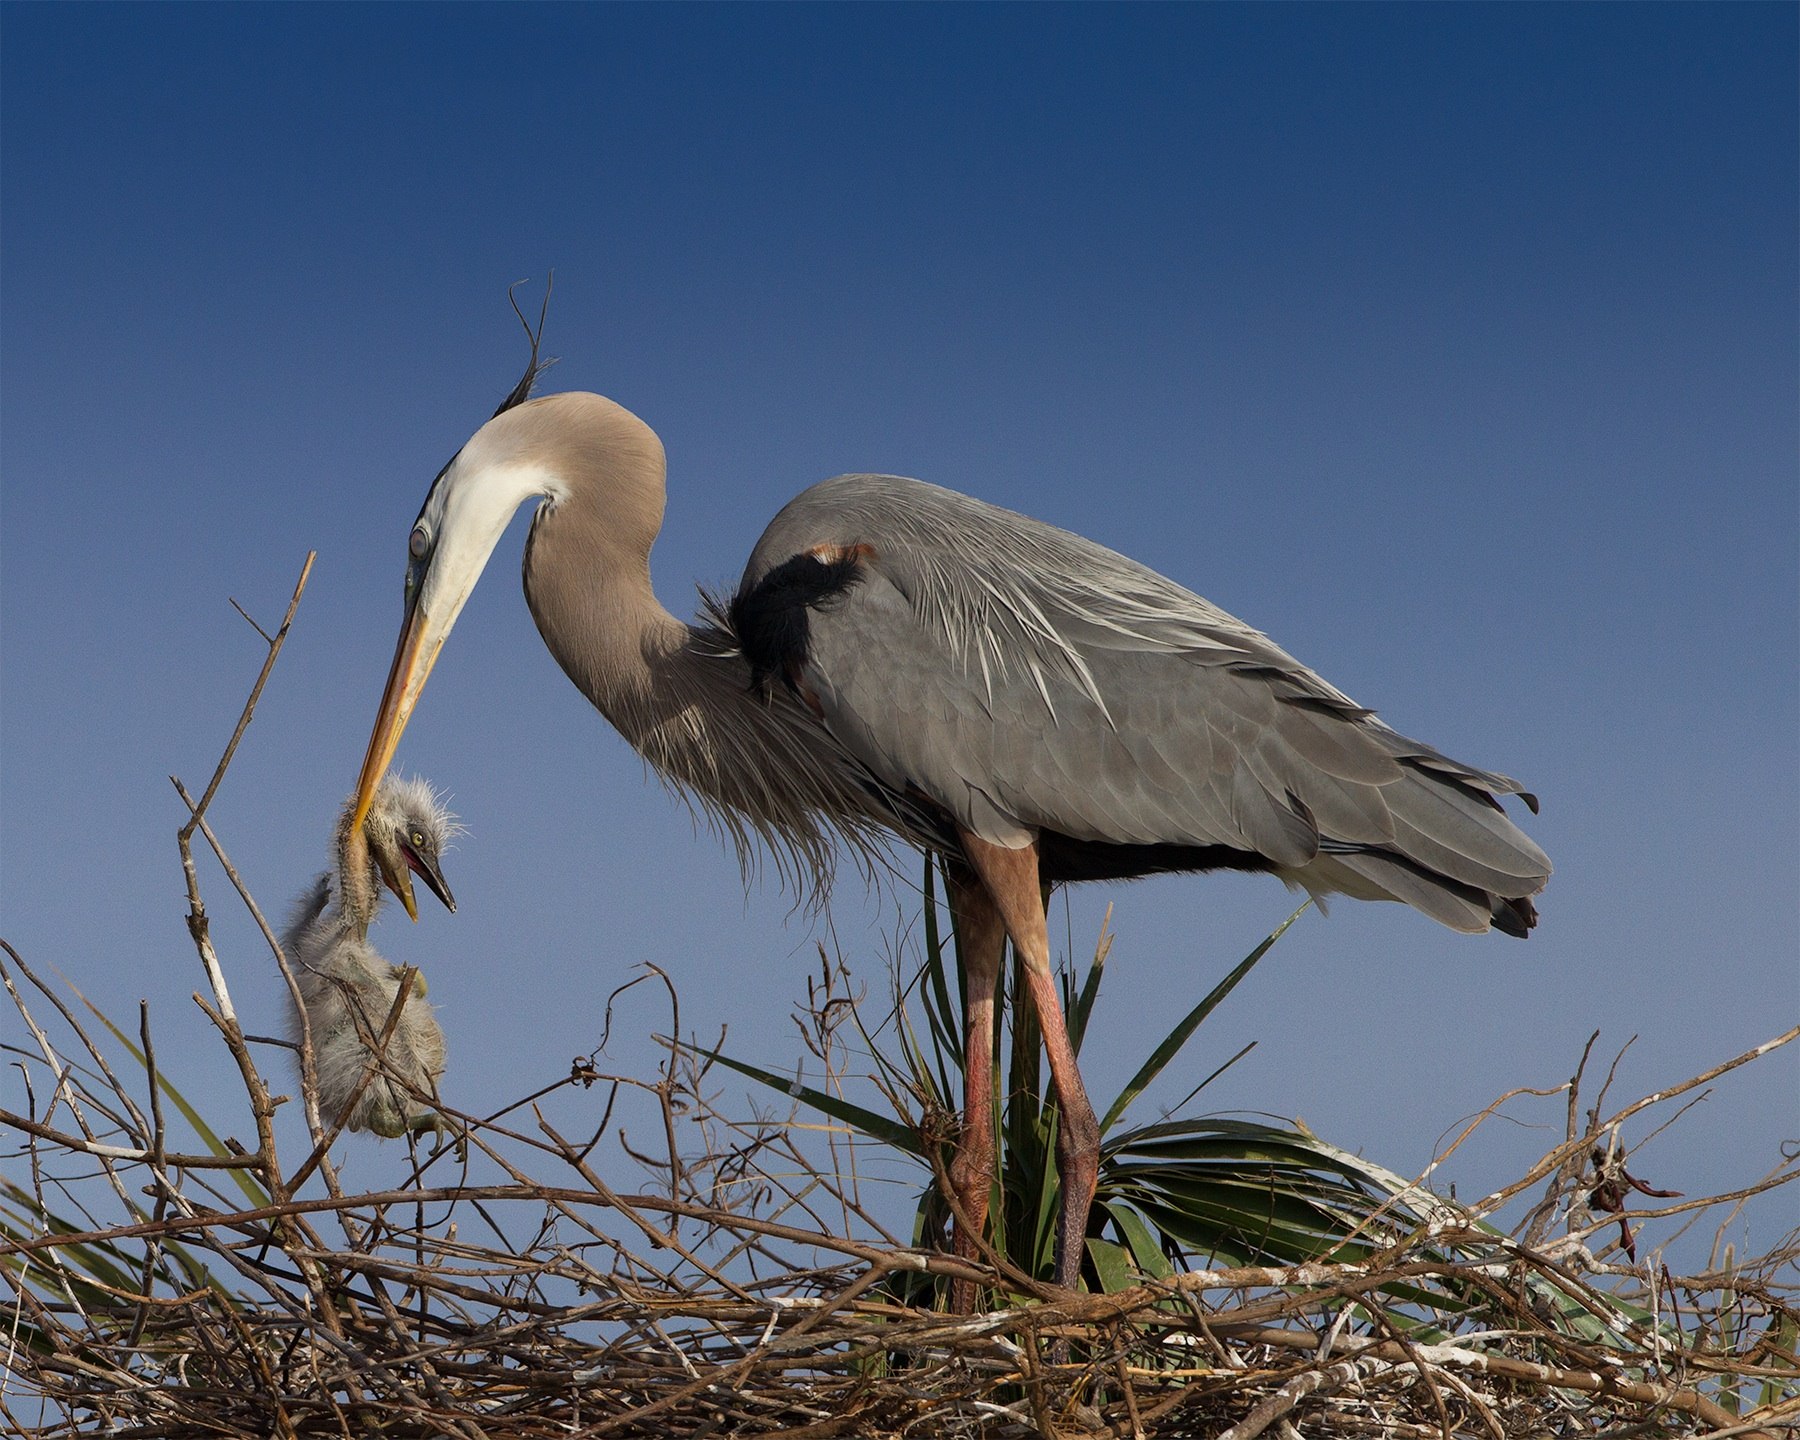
540, 449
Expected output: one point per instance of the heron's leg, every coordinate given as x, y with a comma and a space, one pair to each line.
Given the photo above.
1011, 880
981, 941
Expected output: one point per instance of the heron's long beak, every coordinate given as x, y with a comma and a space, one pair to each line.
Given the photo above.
468, 508
416, 652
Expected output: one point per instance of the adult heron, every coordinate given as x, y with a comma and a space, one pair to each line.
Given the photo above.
1029, 704
347, 990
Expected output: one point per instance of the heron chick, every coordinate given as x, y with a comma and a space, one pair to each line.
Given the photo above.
347, 990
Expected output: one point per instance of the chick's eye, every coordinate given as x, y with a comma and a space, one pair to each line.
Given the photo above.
418, 838
419, 543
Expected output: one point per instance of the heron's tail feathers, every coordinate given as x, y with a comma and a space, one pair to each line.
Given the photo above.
1455, 854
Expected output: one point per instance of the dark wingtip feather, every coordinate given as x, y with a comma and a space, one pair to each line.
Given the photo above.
1514, 917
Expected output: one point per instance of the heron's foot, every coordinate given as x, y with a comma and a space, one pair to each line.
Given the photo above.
383, 1118
443, 1129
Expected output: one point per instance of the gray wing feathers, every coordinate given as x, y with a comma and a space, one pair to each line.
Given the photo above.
1026, 678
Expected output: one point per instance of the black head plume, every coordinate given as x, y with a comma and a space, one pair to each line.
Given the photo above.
521, 392
518, 395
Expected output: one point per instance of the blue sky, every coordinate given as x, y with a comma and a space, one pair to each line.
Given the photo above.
1452, 346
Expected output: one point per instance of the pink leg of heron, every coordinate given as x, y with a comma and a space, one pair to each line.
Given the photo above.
1010, 878
981, 942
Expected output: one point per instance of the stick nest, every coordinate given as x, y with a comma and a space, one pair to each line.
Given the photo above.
732, 1303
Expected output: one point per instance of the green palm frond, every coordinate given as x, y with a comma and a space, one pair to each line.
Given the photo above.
1170, 1194
878, 1127
1178, 1194
104, 1277
252, 1188
1184, 1031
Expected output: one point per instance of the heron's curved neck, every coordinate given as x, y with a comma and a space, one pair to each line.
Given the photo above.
758, 765
589, 591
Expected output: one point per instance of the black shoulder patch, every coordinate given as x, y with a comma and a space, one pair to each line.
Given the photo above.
771, 618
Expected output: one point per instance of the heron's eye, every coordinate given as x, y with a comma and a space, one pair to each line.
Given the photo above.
419, 543
418, 839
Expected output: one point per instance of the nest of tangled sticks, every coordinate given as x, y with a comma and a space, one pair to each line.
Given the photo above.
239, 1291
232, 1304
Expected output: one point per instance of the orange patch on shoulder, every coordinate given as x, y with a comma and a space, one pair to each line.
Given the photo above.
838, 554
